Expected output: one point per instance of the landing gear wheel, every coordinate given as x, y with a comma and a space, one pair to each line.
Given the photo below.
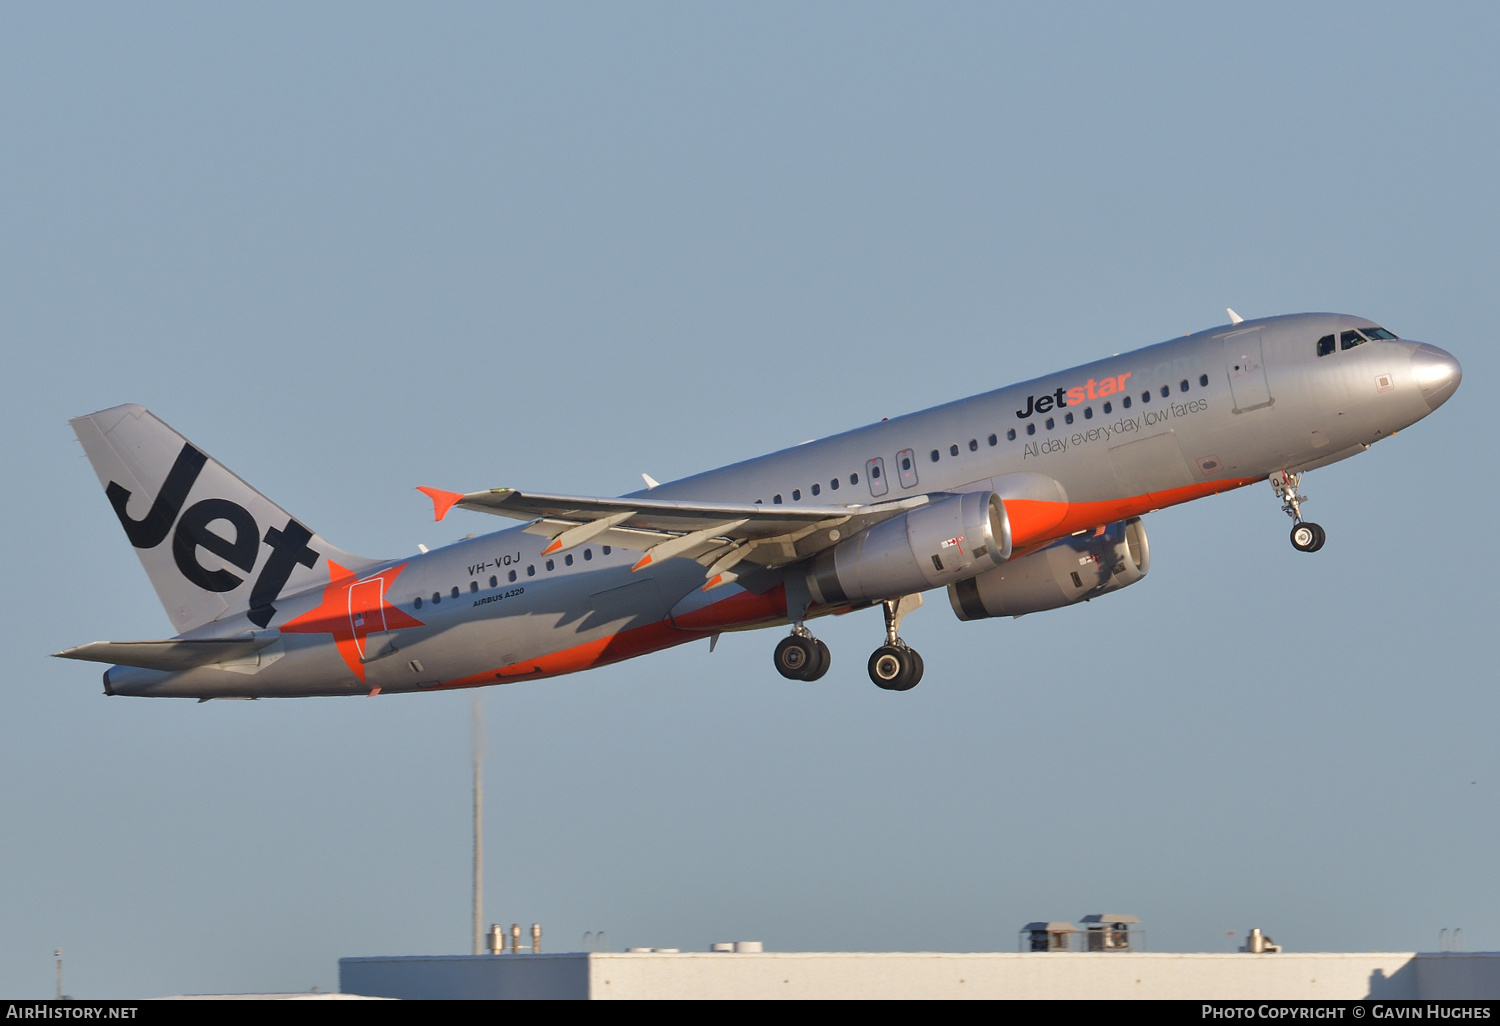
795, 656
820, 665
895, 668
1308, 537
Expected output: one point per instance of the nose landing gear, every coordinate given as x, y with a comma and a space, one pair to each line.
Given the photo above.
802, 656
895, 666
1306, 535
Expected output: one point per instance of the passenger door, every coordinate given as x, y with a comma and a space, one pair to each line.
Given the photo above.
875, 476
1247, 371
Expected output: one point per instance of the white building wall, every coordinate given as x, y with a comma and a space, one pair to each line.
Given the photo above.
935, 975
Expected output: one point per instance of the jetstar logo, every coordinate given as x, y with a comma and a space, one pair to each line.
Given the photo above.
288, 544
354, 608
1075, 396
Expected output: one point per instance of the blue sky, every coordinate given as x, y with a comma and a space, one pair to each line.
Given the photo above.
350, 249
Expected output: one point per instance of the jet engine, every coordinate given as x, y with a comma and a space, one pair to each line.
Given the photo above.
1065, 572
928, 547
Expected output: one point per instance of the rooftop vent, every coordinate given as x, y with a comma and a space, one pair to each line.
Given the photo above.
1110, 931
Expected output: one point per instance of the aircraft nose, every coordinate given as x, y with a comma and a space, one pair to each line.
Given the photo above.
1436, 373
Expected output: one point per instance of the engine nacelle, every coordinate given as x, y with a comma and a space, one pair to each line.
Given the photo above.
1065, 572
928, 547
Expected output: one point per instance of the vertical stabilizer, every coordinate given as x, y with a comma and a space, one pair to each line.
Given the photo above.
212, 545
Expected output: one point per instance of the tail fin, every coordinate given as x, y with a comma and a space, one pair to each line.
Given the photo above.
212, 545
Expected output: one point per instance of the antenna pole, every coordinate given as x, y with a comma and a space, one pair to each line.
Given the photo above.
478, 829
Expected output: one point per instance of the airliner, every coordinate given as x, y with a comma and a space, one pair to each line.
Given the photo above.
1016, 501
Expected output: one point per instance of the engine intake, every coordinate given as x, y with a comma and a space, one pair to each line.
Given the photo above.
1065, 572
937, 544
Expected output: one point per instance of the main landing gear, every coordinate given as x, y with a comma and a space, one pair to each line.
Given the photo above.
802, 656
895, 666
1306, 535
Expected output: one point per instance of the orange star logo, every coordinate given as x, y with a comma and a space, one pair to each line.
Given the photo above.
353, 608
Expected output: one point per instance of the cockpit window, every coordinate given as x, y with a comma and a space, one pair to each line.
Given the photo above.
1380, 334
1325, 345
1350, 339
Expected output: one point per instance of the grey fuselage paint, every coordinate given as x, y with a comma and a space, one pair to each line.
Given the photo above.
1158, 434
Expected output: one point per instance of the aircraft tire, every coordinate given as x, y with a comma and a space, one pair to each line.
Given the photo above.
916, 671
794, 656
891, 668
821, 663
1308, 537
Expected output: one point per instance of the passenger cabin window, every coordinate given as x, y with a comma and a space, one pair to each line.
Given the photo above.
973, 445
455, 591
1146, 396
1203, 380
473, 586
437, 597
1350, 339
551, 565
1108, 408
817, 488
606, 550
796, 494
530, 569
1031, 429
1125, 402
1011, 435
418, 603
1325, 345
1166, 390
854, 479
776, 499
512, 577
1184, 386
1088, 413
588, 554
494, 581
952, 450
833, 483
568, 559
906, 465
1068, 417
994, 440
934, 455
1051, 423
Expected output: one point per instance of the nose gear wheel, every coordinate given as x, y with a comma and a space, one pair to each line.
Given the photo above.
1308, 537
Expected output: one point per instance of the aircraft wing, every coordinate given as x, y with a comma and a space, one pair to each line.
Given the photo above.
718, 535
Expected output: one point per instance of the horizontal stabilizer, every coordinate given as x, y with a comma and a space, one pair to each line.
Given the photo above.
170, 656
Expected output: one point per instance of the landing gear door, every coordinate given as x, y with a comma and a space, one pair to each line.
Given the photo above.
1247, 370
875, 476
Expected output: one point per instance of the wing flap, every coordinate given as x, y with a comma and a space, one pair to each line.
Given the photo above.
769, 536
